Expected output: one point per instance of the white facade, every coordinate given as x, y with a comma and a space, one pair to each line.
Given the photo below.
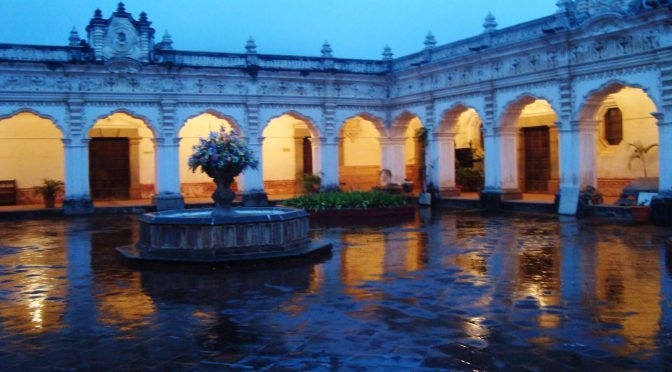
573, 60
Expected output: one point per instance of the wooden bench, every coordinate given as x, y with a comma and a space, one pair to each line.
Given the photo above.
7, 192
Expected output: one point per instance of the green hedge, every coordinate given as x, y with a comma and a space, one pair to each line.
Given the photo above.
345, 200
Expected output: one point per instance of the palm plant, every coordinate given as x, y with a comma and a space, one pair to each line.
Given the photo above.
639, 152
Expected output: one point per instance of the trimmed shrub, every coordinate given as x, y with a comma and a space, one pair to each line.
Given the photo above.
345, 200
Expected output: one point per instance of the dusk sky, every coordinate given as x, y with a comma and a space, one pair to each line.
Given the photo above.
354, 28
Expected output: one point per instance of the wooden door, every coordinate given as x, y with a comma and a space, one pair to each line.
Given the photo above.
537, 158
109, 168
307, 156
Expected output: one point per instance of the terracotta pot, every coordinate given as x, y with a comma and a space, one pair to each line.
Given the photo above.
49, 201
640, 213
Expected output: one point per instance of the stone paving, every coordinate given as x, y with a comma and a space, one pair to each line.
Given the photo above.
455, 291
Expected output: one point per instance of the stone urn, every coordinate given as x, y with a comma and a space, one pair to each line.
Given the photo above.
223, 195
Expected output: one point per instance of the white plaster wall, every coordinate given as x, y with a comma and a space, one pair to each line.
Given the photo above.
360, 143
280, 149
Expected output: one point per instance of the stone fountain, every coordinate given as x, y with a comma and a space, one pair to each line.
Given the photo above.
224, 233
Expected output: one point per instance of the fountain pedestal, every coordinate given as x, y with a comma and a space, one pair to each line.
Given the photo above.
240, 234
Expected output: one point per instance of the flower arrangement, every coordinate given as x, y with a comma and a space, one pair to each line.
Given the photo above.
222, 151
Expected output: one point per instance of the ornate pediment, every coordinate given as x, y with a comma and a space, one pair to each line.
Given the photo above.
120, 36
603, 24
122, 40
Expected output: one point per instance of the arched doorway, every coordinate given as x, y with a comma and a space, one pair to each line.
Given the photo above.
288, 155
535, 155
359, 154
620, 117
121, 158
461, 152
31, 150
197, 185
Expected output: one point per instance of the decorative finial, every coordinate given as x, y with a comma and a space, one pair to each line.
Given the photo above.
326, 50
251, 46
490, 23
562, 5
387, 53
74, 37
121, 8
167, 41
143, 17
98, 14
430, 40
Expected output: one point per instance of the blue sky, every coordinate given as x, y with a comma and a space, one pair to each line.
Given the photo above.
355, 28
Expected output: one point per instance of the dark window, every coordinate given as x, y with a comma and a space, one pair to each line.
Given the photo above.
613, 126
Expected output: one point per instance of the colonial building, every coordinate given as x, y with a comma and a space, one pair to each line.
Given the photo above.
554, 104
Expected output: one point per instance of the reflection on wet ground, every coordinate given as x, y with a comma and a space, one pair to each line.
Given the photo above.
446, 290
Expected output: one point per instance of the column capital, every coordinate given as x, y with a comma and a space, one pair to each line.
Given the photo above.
586, 125
444, 136
506, 131
392, 141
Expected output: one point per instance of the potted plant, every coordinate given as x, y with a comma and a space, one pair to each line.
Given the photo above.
311, 182
49, 189
640, 213
222, 156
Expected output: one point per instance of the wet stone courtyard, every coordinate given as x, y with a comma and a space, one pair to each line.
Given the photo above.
441, 290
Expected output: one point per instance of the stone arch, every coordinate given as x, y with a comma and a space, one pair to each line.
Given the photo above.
290, 152
513, 108
606, 163
31, 149
312, 126
122, 156
449, 117
148, 123
455, 139
400, 123
38, 114
360, 151
198, 185
378, 122
230, 119
594, 98
528, 138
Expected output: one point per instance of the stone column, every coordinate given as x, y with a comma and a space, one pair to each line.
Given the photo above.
252, 180
446, 163
661, 206
664, 153
491, 150
587, 133
317, 155
329, 163
508, 163
569, 169
134, 152
167, 159
77, 190
393, 157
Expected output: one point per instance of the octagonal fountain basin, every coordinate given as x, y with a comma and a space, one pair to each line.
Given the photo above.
243, 234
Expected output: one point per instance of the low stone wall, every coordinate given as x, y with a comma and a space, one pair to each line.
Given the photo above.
362, 178
612, 186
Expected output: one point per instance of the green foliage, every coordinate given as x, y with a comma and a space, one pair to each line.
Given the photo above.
345, 200
470, 179
49, 187
639, 151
